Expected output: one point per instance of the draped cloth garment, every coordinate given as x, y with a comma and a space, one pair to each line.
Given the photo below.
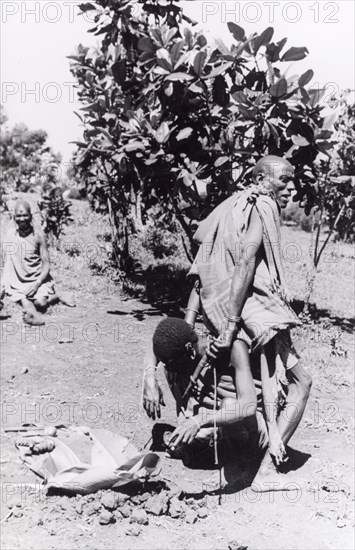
266, 314
23, 266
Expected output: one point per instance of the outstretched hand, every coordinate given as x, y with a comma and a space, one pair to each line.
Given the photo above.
184, 433
152, 397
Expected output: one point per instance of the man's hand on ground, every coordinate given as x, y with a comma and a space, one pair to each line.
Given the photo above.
184, 433
152, 397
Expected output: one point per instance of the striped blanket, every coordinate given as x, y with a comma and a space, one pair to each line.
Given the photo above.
266, 314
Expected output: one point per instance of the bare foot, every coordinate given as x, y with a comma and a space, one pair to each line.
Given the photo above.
269, 479
31, 319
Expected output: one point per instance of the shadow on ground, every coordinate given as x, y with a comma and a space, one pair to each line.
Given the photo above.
324, 316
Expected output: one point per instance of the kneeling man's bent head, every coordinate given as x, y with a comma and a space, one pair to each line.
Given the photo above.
174, 342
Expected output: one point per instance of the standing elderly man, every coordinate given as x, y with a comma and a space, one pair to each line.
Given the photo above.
243, 298
27, 278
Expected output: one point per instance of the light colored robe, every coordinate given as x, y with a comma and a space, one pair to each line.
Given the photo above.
23, 266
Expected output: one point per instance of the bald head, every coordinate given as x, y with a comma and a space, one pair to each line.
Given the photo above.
272, 164
22, 206
276, 174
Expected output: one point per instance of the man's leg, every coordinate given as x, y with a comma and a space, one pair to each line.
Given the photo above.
267, 478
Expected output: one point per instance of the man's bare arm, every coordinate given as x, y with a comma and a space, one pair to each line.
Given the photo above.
44, 253
243, 277
152, 393
232, 410
193, 306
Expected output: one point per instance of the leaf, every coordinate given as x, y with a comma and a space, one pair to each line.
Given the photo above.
305, 78
247, 113
218, 70
300, 141
184, 134
175, 52
279, 88
134, 146
237, 31
160, 70
180, 77
263, 39
295, 54
240, 97
163, 133
222, 47
146, 44
199, 62
86, 7
95, 107
163, 59
273, 50
188, 38
315, 96
119, 71
201, 41
75, 58
305, 96
220, 161
79, 117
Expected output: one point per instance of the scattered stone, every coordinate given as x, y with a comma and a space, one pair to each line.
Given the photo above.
176, 508
89, 509
190, 516
17, 513
106, 517
97, 506
202, 513
126, 510
139, 516
202, 503
121, 498
79, 508
234, 545
175, 491
109, 501
144, 497
134, 530
157, 504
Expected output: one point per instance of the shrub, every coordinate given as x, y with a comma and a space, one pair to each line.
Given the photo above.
55, 212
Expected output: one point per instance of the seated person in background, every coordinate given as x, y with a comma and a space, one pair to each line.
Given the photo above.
26, 277
239, 412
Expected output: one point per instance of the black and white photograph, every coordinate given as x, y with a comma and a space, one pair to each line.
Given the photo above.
177, 267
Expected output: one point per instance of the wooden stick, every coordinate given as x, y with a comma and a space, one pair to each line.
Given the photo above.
193, 379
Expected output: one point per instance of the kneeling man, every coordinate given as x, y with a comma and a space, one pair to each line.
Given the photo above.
26, 277
229, 398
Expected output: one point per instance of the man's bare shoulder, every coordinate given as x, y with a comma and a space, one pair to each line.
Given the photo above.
39, 236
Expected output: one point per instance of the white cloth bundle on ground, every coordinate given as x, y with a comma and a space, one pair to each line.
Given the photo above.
114, 461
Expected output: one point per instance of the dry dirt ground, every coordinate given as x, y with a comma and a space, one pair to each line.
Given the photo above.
85, 367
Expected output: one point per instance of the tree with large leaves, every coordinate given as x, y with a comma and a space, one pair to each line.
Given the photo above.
174, 118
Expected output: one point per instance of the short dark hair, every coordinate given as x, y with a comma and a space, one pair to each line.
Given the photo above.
170, 339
